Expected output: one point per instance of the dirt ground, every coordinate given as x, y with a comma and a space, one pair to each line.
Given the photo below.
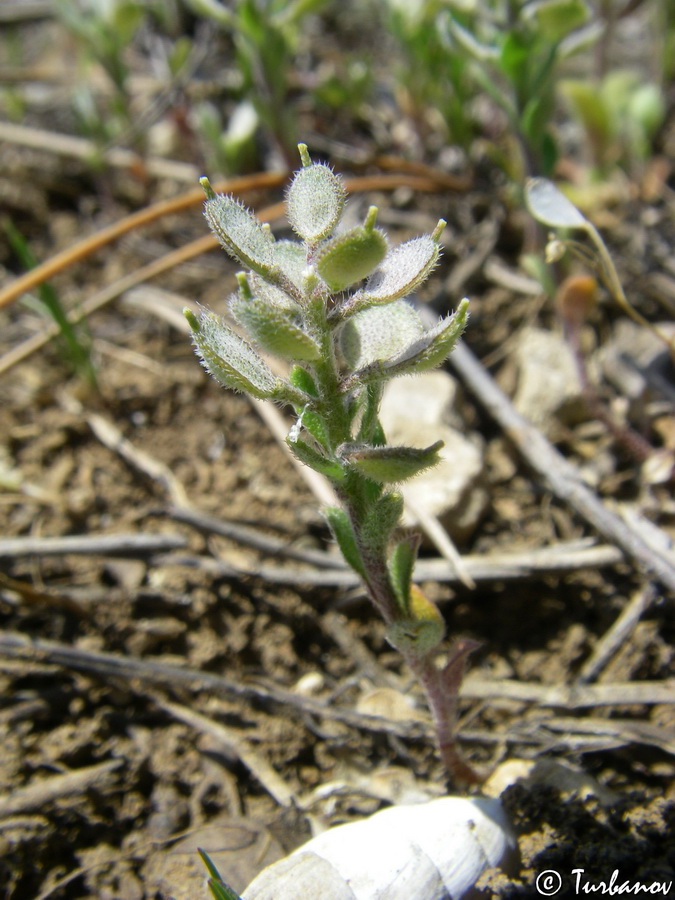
116, 764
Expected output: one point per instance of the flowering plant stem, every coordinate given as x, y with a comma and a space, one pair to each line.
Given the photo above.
333, 304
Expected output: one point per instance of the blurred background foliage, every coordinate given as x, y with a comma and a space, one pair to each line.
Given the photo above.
232, 86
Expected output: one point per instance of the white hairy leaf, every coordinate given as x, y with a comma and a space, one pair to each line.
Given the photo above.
314, 202
401, 271
240, 233
379, 333
274, 329
229, 358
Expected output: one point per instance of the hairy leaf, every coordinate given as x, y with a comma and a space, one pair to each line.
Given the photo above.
229, 358
274, 329
379, 333
401, 563
350, 257
387, 465
550, 206
314, 202
422, 630
238, 230
310, 457
401, 271
341, 527
382, 518
426, 352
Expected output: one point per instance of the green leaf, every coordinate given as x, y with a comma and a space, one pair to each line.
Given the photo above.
300, 378
291, 258
557, 18
401, 563
426, 352
350, 257
238, 230
339, 523
270, 293
219, 889
387, 465
229, 358
316, 426
421, 630
378, 333
274, 329
401, 271
310, 457
383, 516
314, 202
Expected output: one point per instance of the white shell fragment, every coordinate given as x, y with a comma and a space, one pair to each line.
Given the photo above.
427, 851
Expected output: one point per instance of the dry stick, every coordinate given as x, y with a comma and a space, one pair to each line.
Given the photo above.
149, 671
262, 180
231, 739
252, 537
124, 545
42, 791
106, 295
85, 150
617, 635
505, 567
558, 474
146, 672
72, 255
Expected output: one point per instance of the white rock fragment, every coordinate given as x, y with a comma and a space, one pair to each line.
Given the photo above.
549, 391
416, 412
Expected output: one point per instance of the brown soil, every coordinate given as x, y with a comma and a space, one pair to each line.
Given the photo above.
248, 793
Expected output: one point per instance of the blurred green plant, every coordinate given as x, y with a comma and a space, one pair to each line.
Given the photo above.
265, 35
431, 76
620, 116
220, 890
508, 49
333, 304
103, 32
75, 340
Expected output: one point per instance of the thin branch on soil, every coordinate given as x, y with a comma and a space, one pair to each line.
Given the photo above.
124, 545
253, 537
84, 248
42, 791
112, 438
628, 731
147, 672
516, 566
80, 148
433, 529
335, 625
558, 474
232, 741
35, 597
618, 634
107, 294
641, 693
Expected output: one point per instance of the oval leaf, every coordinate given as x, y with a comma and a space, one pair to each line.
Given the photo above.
550, 206
274, 329
314, 202
352, 256
229, 358
387, 465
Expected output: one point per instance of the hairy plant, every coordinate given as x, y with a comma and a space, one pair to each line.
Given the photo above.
333, 304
